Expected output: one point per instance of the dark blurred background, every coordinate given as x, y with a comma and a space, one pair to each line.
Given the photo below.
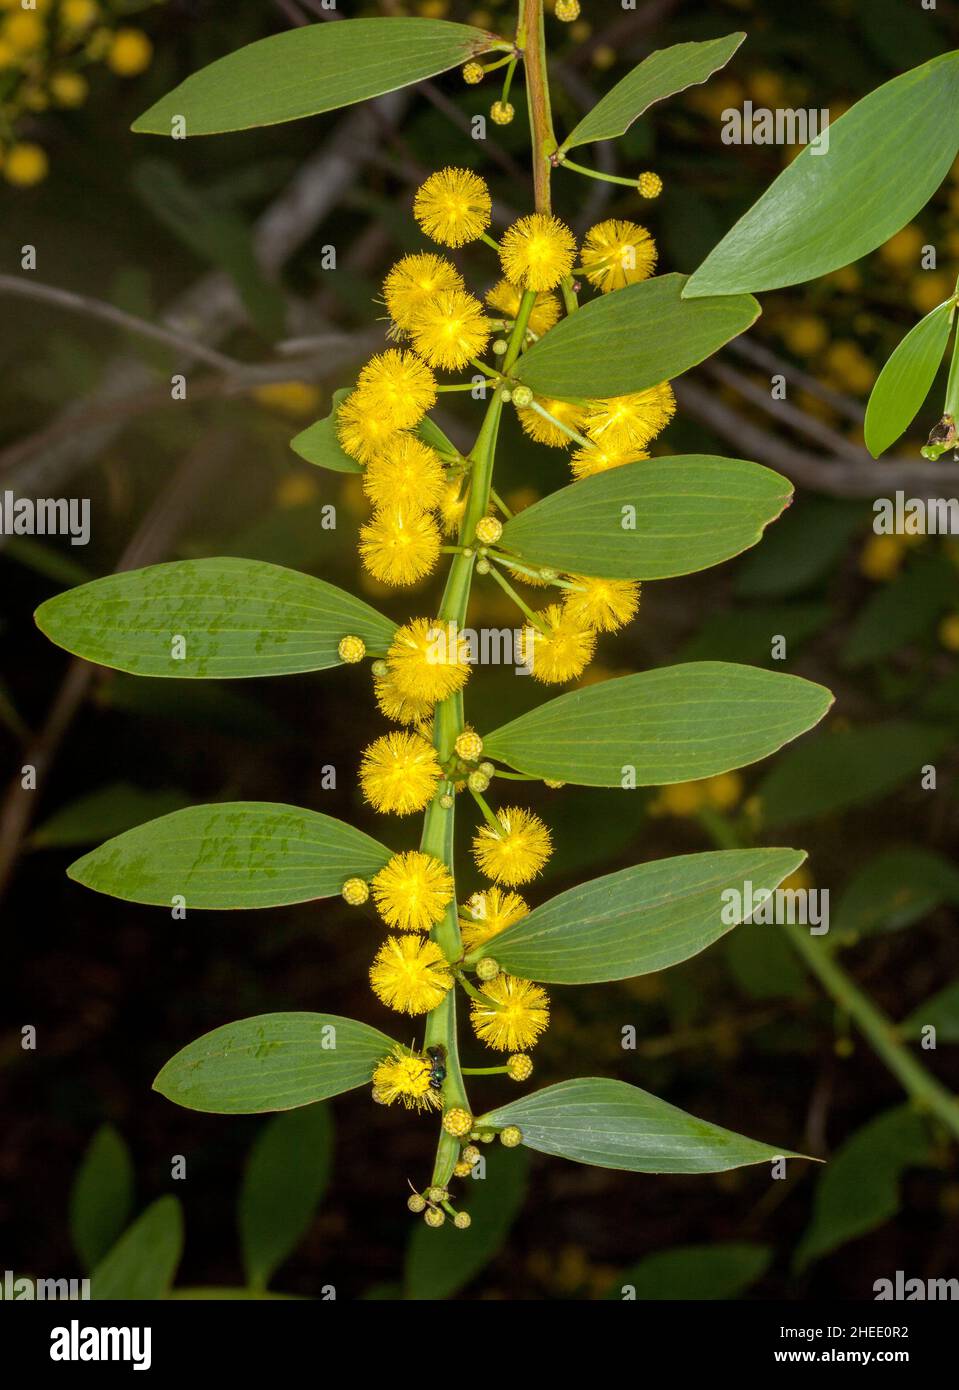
227, 240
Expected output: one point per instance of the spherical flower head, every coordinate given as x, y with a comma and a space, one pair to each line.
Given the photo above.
457, 1122
505, 298
511, 1136
412, 891
461, 1169
462, 1220
516, 1013
400, 708
517, 850
545, 431
69, 89
478, 781
398, 386
473, 73
351, 649
450, 329
468, 745
679, 799
435, 1217
724, 791
355, 892
416, 1202
25, 163
78, 14
650, 185
406, 474
487, 968
413, 282
487, 914
537, 251
602, 604
502, 112
519, 1067
562, 650
437, 1194
410, 975
452, 505
453, 206
428, 660
399, 772
361, 432
130, 53
400, 545
567, 10
616, 254
470, 1155
598, 458
405, 1077
488, 530
24, 31
631, 421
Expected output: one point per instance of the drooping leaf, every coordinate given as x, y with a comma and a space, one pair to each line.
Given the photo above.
215, 618
637, 920
143, 1263
285, 1176
885, 158
631, 340
651, 520
318, 67
906, 379
101, 1198
941, 1012
859, 1187
661, 75
611, 1124
231, 855
319, 445
694, 1272
272, 1062
439, 1268
674, 724
892, 891
104, 812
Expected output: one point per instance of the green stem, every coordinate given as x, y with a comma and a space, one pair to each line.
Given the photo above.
531, 38
524, 608
952, 386
485, 1071
565, 163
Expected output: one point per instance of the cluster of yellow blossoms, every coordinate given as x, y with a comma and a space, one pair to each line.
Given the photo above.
44, 47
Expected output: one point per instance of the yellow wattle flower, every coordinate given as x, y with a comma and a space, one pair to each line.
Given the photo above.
407, 473
516, 1016
505, 299
487, 914
603, 604
544, 431
631, 421
400, 545
399, 772
361, 432
597, 459
517, 851
428, 660
413, 282
400, 708
410, 974
404, 1076
453, 206
562, 651
537, 251
452, 505
616, 254
130, 53
450, 328
398, 386
413, 891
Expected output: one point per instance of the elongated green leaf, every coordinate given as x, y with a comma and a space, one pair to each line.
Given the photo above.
675, 724
638, 920
319, 445
213, 618
632, 339
651, 520
304, 71
903, 613
613, 1125
661, 75
859, 1187
885, 159
101, 1198
143, 1263
104, 812
906, 379
694, 1272
892, 891
284, 1179
231, 855
272, 1062
940, 1012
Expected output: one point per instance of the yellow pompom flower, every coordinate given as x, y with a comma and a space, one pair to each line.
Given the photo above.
537, 251
679, 799
410, 975
487, 914
404, 1076
724, 791
361, 432
617, 253
603, 604
24, 31
453, 206
517, 851
400, 545
560, 652
631, 421
428, 660
400, 708
882, 557
650, 185
597, 459
78, 14
502, 112
407, 473
412, 892
414, 281
130, 53
450, 329
544, 431
515, 1016
399, 772
25, 164
398, 386
505, 298
452, 505
69, 89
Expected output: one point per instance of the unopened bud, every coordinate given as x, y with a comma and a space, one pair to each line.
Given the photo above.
416, 1203
487, 968
511, 1136
355, 891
